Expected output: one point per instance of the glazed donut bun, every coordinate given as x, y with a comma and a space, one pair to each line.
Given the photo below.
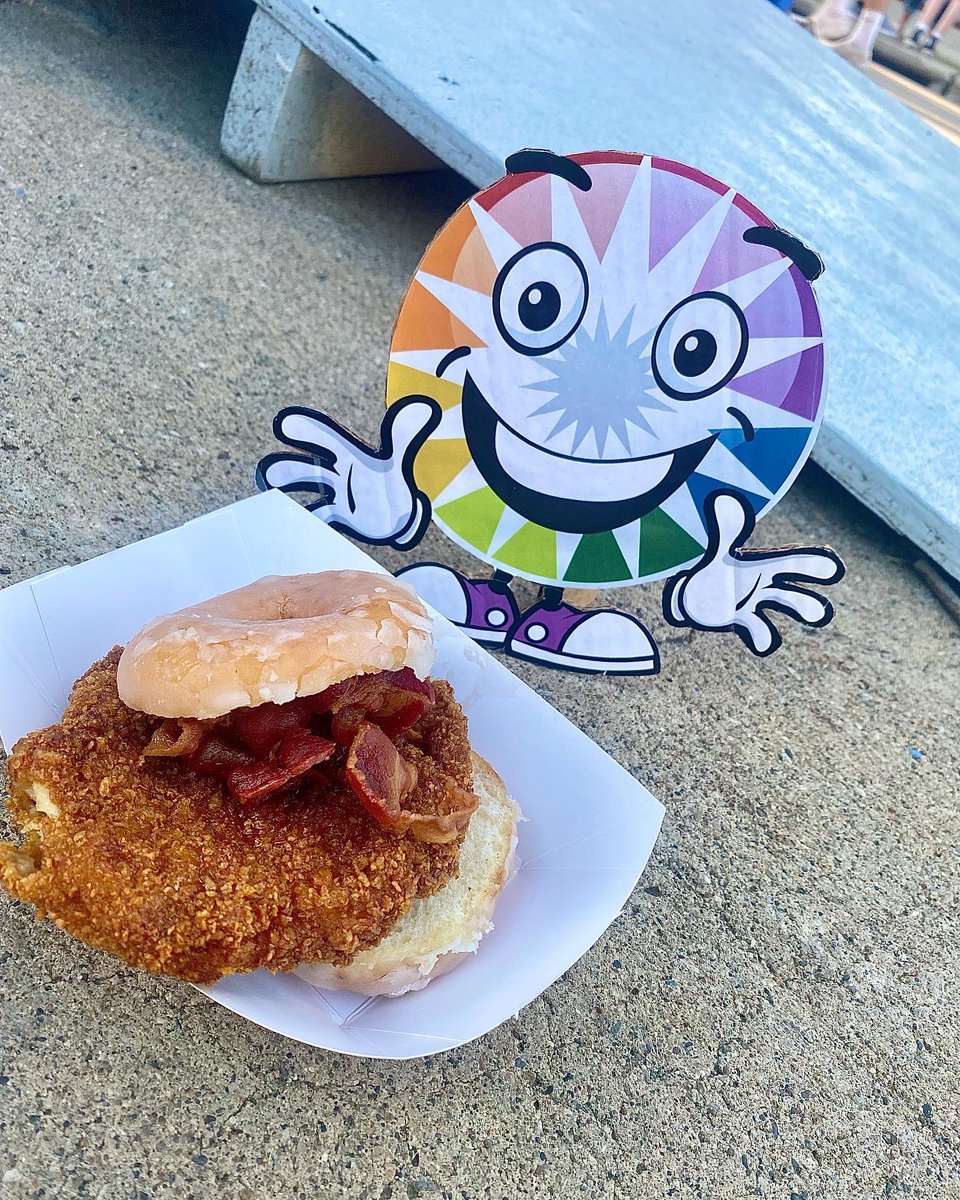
440, 931
271, 641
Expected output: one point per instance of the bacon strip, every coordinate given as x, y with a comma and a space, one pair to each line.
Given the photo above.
381, 781
218, 756
259, 752
403, 701
380, 778
175, 738
394, 700
345, 724
299, 752
263, 727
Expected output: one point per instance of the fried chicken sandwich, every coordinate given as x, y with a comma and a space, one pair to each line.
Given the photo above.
267, 779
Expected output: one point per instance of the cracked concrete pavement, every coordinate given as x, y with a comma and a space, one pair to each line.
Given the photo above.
774, 1013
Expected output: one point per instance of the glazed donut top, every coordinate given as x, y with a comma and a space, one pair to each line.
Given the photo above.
271, 641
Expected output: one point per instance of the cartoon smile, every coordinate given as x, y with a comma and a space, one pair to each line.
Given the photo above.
562, 492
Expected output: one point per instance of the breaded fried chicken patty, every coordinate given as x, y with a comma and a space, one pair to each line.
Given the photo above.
146, 858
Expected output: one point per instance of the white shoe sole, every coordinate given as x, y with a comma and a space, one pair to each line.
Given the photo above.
648, 665
495, 641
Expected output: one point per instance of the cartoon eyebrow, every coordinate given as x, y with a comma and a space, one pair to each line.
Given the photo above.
551, 164
809, 263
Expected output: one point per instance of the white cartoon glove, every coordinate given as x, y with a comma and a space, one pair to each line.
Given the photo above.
368, 493
732, 588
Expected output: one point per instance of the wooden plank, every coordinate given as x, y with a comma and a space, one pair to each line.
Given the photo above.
750, 97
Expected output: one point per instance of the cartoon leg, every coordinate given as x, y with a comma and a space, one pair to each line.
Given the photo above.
483, 608
603, 641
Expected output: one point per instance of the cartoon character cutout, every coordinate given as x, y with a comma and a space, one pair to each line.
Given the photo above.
607, 367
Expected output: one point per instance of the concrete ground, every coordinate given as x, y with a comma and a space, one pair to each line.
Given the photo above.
777, 1010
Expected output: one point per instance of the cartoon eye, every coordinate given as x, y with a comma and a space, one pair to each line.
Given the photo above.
540, 297
700, 346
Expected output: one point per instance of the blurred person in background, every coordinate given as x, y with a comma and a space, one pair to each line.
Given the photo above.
838, 25
910, 10
933, 23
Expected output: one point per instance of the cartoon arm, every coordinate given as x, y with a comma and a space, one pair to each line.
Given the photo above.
368, 493
735, 589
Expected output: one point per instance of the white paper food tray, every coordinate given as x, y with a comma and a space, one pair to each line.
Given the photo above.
590, 826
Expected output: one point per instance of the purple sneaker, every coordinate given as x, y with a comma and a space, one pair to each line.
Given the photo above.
603, 641
483, 608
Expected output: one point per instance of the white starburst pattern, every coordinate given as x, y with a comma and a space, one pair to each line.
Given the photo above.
598, 383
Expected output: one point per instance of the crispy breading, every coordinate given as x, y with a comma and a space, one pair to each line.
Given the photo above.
146, 859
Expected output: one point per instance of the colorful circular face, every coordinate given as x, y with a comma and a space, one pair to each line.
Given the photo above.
612, 338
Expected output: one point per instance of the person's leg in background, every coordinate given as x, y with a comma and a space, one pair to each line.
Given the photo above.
948, 18
832, 19
910, 10
857, 46
929, 14
933, 23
